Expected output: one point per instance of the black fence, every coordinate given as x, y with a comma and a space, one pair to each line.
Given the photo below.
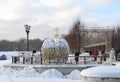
56, 60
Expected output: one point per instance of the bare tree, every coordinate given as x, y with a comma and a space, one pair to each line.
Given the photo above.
77, 36
115, 40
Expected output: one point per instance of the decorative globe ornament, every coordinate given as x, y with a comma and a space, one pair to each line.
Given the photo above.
47, 48
55, 48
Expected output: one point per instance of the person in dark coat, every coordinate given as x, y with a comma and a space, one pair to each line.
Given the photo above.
33, 52
90, 52
77, 57
117, 51
104, 55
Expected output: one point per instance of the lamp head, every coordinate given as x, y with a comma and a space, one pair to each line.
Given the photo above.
27, 28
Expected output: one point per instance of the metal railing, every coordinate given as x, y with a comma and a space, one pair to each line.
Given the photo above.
55, 60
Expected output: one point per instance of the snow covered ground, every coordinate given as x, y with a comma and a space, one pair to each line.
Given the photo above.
28, 74
102, 72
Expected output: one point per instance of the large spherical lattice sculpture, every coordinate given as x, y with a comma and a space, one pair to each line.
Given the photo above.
55, 48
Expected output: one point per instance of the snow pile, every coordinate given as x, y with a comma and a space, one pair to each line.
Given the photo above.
9, 71
102, 71
85, 54
9, 54
1, 69
118, 64
87, 58
71, 58
74, 75
52, 73
27, 72
38, 79
5, 78
5, 62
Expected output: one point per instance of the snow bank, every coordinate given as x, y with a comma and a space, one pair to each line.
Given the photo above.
31, 72
52, 73
102, 71
74, 75
85, 54
9, 71
5, 62
118, 64
4, 78
27, 72
38, 79
2, 69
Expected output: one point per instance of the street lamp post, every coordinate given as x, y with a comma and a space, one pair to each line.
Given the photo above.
27, 29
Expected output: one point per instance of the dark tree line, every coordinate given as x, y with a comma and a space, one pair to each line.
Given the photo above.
115, 39
20, 45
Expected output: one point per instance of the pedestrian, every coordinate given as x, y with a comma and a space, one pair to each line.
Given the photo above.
95, 54
90, 52
77, 57
118, 56
104, 55
112, 56
117, 51
33, 52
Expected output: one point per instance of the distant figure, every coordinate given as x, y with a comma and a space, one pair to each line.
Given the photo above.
117, 51
104, 55
90, 52
112, 55
33, 52
77, 57
95, 54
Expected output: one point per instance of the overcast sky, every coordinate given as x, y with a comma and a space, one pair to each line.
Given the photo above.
45, 15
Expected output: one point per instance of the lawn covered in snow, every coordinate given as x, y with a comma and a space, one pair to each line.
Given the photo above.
29, 74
